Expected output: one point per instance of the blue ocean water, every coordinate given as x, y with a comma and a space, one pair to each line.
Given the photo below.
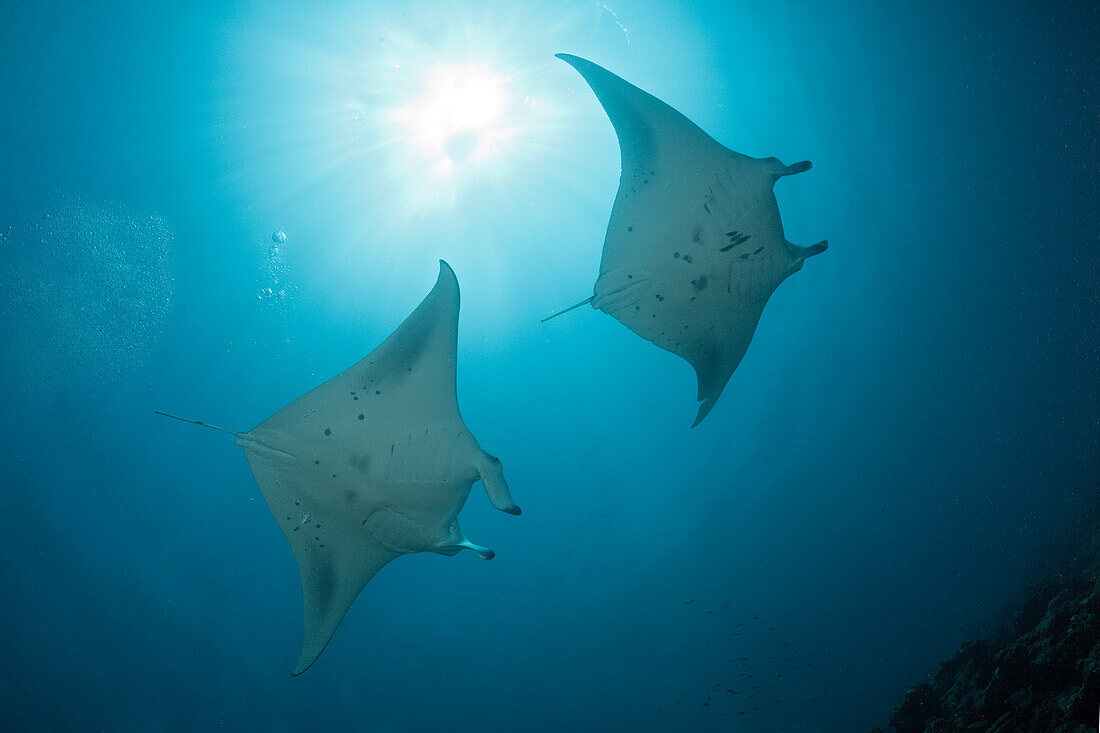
911, 434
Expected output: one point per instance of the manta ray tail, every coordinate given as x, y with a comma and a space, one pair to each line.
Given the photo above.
586, 301
199, 422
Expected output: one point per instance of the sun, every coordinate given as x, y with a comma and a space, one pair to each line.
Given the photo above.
460, 117
401, 118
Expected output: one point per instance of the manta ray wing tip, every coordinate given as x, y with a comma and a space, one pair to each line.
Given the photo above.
572, 60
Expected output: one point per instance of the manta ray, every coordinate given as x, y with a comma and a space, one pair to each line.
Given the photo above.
373, 464
694, 247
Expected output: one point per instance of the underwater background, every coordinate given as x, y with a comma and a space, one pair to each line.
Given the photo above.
912, 435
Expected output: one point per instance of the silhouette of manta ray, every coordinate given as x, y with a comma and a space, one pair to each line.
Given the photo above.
694, 247
373, 464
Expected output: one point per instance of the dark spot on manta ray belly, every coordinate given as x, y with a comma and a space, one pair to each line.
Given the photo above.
630, 229
701, 283
328, 431
324, 582
350, 495
697, 235
758, 250
359, 462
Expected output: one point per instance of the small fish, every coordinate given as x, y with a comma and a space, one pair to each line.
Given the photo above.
755, 618
689, 601
708, 611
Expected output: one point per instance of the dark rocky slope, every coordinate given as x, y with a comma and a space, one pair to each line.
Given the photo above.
1041, 676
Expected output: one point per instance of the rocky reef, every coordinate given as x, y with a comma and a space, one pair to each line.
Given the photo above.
1043, 674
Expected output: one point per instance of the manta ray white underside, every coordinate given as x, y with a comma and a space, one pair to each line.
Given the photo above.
694, 247
373, 464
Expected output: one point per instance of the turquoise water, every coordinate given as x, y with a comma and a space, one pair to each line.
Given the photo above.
912, 431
